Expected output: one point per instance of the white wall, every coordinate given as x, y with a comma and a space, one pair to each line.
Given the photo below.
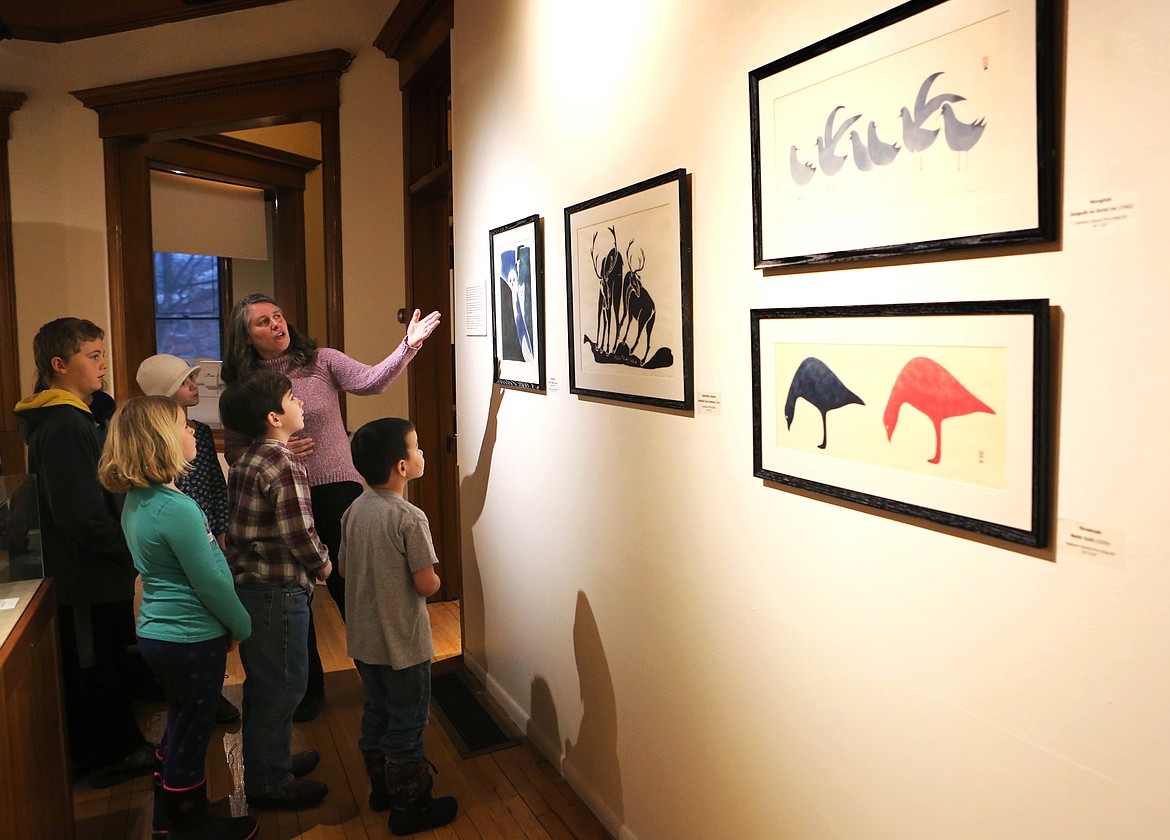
717, 658
58, 188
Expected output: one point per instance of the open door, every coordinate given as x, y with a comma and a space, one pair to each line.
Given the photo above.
419, 39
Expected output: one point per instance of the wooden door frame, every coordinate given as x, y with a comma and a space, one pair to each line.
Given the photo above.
300, 88
417, 36
11, 443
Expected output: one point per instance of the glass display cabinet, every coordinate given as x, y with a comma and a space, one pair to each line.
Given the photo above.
35, 799
20, 531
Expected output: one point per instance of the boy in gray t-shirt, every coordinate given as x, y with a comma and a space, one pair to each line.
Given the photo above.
388, 562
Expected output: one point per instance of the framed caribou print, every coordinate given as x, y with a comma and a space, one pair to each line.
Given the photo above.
938, 411
927, 128
517, 253
628, 267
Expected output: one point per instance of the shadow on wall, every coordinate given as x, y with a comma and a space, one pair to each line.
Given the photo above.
590, 764
472, 497
543, 728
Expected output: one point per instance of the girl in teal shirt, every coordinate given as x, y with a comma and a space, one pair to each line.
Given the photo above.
190, 616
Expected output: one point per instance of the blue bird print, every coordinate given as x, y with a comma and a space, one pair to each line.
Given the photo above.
522, 333
801, 172
961, 136
830, 161
881, 153
861, 158
915, 135
816, 383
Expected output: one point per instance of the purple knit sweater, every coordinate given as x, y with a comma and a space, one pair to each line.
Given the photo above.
318, 385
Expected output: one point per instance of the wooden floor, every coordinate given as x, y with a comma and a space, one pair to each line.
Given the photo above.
510, 794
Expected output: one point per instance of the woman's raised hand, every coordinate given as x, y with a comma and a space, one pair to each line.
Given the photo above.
301, 446
419, 328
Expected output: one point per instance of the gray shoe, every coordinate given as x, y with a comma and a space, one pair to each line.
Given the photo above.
138, 763
303, 763
291, 796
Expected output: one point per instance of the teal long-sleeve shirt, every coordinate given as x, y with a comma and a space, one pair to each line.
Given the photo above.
188, 594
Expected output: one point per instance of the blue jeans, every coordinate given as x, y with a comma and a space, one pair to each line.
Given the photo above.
396, 710
275, 667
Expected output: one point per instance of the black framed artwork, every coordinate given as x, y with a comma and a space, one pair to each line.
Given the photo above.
938, 411
927, 128
628, 270
517, 272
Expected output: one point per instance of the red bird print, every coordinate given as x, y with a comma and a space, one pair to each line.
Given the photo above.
929, 387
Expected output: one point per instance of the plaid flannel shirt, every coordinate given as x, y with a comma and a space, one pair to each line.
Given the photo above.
271, 537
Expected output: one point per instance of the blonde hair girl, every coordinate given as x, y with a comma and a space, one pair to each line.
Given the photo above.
144, 445
190, 616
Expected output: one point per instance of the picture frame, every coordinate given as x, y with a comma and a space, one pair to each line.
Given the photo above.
647, 224
938, 411
517, 281
930, 127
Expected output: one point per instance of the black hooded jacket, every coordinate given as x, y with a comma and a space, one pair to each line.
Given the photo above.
81, 531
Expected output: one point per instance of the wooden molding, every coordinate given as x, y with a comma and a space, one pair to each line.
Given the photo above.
59, 21
11, 443
414, 31
232, 161
281, 90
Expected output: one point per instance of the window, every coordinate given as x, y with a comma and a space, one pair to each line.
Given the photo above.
188, 304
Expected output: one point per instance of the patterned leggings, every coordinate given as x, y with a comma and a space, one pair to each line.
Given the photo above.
192, 674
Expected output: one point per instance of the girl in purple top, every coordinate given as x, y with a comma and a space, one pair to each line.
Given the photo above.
260, 338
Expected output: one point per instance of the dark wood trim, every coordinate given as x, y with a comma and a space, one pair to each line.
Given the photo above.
11, 444
226, 296
131, 260
232, 161
438, 178
57, 22
271, 92
36, 800
417, 36
288, 256
413, 33
331, 194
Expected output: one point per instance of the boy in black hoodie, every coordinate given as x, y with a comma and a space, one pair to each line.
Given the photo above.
64, 424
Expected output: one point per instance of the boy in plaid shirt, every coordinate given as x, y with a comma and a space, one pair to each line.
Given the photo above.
276, 558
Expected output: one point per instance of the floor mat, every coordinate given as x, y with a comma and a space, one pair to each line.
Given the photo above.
469, 724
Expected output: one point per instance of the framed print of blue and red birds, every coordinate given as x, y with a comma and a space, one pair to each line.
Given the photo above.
938, 411
930, 127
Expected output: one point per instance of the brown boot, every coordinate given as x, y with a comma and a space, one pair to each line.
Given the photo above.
376, 770
412, 808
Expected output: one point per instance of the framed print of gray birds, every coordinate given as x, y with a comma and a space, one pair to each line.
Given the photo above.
628, 270
938, 410
930, 127
517, 281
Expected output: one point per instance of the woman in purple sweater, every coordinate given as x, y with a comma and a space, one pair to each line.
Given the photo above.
260, 338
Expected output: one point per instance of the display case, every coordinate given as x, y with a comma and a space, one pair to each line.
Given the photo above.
35, 799
20, 529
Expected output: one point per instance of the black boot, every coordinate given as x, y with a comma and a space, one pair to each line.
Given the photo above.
412, 808
376, 770
159, 825
190, 820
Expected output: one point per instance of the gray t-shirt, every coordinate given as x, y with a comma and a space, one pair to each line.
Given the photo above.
384, 541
